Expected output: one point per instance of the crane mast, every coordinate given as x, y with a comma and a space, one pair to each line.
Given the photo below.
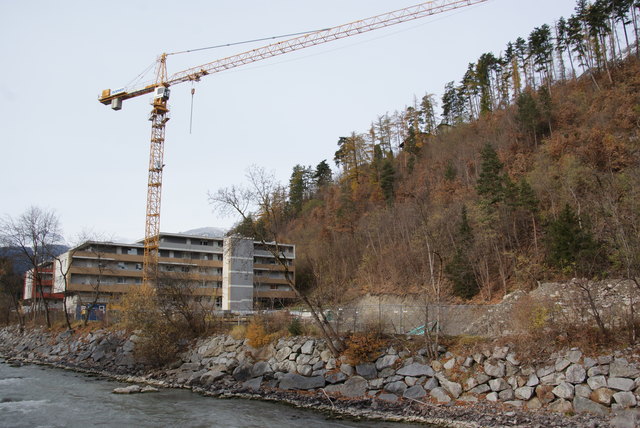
160, 88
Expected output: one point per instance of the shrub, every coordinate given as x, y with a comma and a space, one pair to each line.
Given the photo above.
363, 347
238, 332
295, 327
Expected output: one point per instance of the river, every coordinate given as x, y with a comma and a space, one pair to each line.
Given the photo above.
39, 396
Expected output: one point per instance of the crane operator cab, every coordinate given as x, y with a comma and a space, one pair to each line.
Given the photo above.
162, 93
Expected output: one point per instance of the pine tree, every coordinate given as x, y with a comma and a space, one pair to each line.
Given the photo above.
322, 175
459, 270
491, 182
570, 246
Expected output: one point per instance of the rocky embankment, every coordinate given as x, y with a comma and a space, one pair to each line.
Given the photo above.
491, 388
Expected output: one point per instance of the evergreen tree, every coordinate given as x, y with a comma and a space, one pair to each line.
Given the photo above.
322, 175
491, 184
460, 270
528, 114
570, 246
299, 188
387, 180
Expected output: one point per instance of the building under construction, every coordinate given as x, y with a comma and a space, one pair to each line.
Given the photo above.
232, 274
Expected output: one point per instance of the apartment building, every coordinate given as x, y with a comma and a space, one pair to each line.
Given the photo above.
233, 274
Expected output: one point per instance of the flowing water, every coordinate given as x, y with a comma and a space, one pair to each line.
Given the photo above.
37, 396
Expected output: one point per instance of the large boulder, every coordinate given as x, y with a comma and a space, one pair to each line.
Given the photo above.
354, 387
295, 381
416, 370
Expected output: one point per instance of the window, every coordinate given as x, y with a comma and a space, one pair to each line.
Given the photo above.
273, 286
121, 265
138, 266
122, 280
203, 242
185, 269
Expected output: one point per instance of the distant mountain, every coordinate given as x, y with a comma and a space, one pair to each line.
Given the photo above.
209, 232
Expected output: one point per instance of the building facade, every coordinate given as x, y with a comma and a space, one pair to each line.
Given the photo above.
234, 274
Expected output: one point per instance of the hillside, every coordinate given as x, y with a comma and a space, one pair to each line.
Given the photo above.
497, 208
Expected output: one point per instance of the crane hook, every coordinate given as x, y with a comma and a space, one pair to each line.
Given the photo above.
193, 91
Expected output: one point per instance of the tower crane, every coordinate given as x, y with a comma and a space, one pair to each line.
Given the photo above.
160, 88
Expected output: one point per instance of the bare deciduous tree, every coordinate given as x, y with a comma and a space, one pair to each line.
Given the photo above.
265, 200
35, 234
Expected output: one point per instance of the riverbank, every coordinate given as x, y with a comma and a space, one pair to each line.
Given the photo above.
484, 390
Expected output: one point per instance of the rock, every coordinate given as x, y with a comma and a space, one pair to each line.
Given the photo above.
347, 369
511, 358
561, 406
468, 362
307, 348
304, 369
283, 354
493, 397
598, 371
431, 383
589, 362
386, 361
253, 384
397, 388
626, 419
436, 365
260, 369
620, 383
416, 370
149, 388
494, 368
564, 390
295, 381
440, 395
470, 383
335, 377
500, 352
545, 371
211, 376
354, 387
582, 391
596, 382
575, 374
534, 404
524, 393
326, 355
584, 405
131, 389
392, 398
480, 389
242, 373
602, 396
415, 392
625, 399
515, 403
376, 383
561, 364
498, 384
506, 395
574, 356
621, 368
367, 370
533, 380
449, 364
468, 399
410, 381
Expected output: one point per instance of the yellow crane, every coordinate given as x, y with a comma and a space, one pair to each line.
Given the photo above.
160, 89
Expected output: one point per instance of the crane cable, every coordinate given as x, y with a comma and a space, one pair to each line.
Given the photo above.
244, 42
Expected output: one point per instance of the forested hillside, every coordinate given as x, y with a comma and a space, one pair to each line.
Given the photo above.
528, 171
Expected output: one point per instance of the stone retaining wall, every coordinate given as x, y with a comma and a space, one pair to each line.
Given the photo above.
569, 382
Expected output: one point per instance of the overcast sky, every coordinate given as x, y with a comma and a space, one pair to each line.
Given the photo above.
64, 151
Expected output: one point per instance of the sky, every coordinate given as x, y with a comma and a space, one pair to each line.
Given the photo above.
63, 151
